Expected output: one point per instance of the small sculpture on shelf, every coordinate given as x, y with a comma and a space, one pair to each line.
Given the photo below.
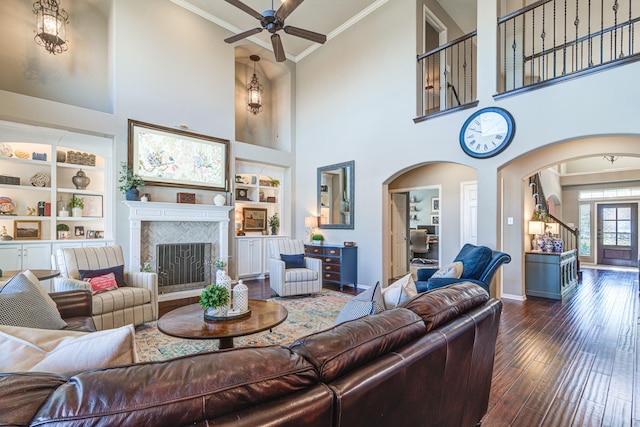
4, 235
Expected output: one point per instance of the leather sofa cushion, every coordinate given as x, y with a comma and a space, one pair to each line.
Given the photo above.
182, 391
22, 394
441, 305
350, 345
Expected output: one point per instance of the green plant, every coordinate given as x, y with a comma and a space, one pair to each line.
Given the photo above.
214, 296
62, 227
274, 182
317, 237
274, 221
146, 267
76, 202
219, 264
128, 179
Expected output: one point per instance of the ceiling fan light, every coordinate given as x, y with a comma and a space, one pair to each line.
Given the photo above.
51, 22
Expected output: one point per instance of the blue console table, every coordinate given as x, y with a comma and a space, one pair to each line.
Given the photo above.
339, 263
551, 274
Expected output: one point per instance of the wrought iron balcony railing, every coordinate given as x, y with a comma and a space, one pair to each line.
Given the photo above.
554, 39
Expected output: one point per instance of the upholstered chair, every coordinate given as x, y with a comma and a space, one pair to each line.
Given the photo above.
290, 272
134, 301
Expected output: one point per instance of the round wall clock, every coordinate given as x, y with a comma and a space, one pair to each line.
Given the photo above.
487, 132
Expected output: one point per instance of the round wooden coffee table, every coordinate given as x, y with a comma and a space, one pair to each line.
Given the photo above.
189, 322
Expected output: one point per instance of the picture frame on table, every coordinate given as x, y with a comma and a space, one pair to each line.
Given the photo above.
254, 219
26, 229
435, 204
92, 205
172, 157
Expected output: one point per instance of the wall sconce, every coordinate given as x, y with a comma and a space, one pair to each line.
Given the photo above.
254, 89
310, 222
51, 22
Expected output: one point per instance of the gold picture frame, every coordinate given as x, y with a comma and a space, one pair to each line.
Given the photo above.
26, 229
254, 219
171, 157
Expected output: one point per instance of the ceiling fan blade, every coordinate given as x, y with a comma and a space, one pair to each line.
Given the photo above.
288, 7
278, 49
243, 35
242, 6
305, 34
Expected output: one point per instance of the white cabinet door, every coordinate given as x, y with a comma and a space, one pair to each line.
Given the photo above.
249, 257
36, 256
11, 257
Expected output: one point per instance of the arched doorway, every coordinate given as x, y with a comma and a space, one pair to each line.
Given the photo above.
516, 193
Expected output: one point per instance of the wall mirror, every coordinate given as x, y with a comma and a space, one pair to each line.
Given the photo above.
335, 195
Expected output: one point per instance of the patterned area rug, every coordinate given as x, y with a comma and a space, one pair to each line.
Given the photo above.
307, 315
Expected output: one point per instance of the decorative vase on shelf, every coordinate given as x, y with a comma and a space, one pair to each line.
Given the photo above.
131, 194
273, 231
81, 180
76, 212
558, 245
219, 200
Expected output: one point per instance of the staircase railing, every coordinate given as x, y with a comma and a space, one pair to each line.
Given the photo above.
569, 235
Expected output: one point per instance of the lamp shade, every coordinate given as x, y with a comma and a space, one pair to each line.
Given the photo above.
536, 227
553, 227
311, 221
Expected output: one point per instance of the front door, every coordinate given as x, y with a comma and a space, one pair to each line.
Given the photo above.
618, 234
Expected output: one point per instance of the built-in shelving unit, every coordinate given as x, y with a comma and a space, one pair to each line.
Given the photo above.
37, 167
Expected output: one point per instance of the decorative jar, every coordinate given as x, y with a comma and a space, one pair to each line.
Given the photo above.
240, 297
225, 281
81, 180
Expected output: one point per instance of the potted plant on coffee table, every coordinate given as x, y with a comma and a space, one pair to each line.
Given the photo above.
130, 183
214, 299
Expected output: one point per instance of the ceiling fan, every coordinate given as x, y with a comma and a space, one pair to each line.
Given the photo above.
273, 21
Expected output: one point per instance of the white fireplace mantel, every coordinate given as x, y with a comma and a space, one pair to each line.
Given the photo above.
160, 211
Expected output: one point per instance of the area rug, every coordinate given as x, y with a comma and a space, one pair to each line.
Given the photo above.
307, 315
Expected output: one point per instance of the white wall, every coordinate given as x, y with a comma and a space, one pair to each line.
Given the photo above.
364, 88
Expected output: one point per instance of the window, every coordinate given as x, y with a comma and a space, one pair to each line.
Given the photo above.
585, 230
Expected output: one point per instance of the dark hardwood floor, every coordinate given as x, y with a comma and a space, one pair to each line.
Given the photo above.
561, 363
572, 362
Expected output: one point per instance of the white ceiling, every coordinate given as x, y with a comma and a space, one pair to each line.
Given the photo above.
329, 17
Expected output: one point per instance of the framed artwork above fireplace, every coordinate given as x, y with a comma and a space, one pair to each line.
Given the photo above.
170, 157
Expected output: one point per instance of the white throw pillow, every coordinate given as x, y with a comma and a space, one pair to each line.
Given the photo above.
452, 271
65, 352
400, 290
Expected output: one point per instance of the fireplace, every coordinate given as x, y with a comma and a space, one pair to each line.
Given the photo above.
183, 266
158, 223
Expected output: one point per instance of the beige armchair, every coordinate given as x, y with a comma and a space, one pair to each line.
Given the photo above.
304, 279
135, 303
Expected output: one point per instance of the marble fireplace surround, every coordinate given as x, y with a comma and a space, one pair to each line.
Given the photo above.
140, 212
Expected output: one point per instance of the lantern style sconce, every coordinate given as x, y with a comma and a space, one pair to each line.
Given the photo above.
51, 22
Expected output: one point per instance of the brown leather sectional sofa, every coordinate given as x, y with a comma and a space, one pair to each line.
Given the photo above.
427, 363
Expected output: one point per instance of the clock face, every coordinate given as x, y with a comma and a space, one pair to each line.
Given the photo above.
487, 132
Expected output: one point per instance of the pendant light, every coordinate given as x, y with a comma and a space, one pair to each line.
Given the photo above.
254, 89
51, 22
